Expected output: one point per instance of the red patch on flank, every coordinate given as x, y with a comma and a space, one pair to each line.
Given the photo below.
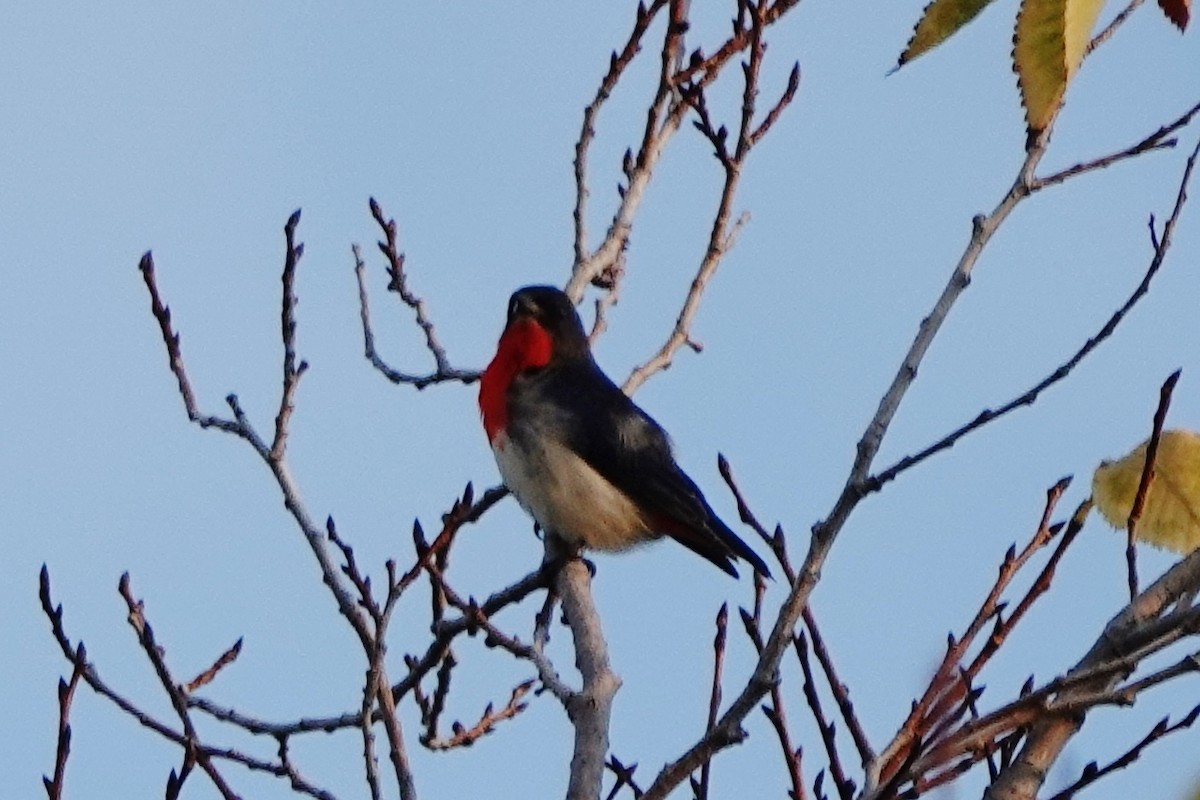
662, 524
523, 345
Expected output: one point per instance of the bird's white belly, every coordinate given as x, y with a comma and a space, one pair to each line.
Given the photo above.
567, 497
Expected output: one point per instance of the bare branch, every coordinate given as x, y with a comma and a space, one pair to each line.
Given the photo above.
291, 372
616, 68
192, 747
1111, 28
66, 693
465, 737
714, 699
1147, 476
162, 313
591, 709
398, 283
206, 677
1123, 634
1092, 772
1161, 246
841, 693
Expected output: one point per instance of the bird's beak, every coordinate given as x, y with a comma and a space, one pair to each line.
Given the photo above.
521, 307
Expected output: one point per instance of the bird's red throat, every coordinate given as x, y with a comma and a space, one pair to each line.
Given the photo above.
523, 345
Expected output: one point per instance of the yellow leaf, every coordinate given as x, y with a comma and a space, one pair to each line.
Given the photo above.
1171, 516
940, 20
1048, 47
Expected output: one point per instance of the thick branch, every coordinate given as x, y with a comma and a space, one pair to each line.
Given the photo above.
1047, 738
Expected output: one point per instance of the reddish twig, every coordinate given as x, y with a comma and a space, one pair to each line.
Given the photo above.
1111, 28
772, 116
1158, 140
1060, 697
206, 677
291, 372
791, 754
465, 737
704, 70
948, 686
462, 512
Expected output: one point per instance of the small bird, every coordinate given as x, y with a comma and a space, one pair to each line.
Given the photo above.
588, 465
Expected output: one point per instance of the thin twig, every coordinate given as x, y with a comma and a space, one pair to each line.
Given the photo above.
206, 677
618, 63
1092, 772
162, 313
398, 283
92, 678
1155, 141
291, 372
663, 117
841, 693
624, 776
66, 693
465, 737
776, 540
1145, 621
462, 512
1161, 246
1111, 28
714, 698
1147, 476
949, 685
192, 747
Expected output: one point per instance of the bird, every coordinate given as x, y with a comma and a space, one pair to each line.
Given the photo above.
591, 467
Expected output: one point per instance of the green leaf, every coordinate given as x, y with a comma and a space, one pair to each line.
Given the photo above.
940, 20
1048, 47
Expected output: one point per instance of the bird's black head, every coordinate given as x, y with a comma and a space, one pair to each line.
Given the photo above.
553, 311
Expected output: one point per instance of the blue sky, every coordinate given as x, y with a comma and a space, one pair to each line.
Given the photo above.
196, 130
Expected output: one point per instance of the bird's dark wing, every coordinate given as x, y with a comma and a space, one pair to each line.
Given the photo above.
630, 450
